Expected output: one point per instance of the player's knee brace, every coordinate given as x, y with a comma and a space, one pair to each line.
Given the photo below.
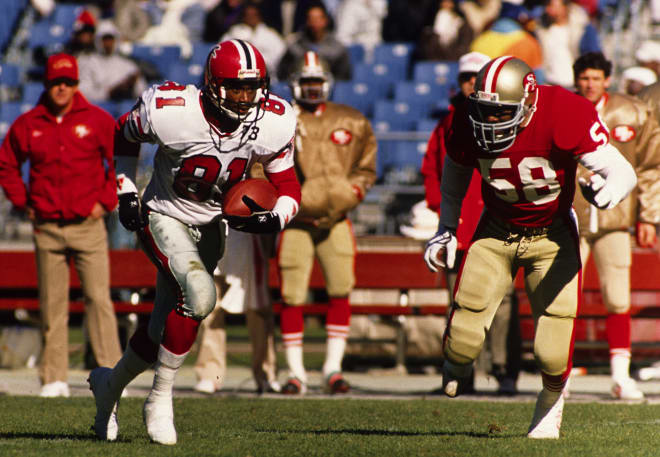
200, 296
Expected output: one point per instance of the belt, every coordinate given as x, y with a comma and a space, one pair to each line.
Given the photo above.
62, 222
524, 230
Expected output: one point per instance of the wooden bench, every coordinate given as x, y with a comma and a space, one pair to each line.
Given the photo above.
387, 283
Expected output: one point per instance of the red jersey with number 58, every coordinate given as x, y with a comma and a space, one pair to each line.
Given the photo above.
533, 182
195, 162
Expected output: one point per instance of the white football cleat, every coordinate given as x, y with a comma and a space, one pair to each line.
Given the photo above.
54, 389
627, 389
205, 386
454, 377
106, 426
547, 416
158, 415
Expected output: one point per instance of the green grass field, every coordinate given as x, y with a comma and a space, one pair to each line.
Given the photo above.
31, 426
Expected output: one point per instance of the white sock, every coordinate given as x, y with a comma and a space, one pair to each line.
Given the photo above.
620, 364
129, 366
294, 358
335, 348
166, 368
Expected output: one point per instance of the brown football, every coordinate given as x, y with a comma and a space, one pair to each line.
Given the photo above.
259, 190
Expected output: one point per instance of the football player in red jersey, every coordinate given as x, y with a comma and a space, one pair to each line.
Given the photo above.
208, 139
526, 140
634, 130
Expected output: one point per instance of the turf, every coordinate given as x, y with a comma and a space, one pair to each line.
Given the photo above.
31, 426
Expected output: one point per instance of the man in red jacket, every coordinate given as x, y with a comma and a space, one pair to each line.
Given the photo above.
69, 145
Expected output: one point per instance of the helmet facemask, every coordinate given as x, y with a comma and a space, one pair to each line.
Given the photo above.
312, 82
495, 136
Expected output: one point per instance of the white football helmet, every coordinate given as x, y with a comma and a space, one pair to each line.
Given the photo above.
235, 63
311, 68
501, 90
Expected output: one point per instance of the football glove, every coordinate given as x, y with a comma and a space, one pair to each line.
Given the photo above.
596, 192
130, 206
440, 250
260, 221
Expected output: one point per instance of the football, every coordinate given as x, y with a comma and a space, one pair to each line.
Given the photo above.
261, 191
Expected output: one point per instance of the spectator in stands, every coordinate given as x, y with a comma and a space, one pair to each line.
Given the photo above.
175, 23
252, 28
448, 38
509, 36
82, 40
336, 164
69, 145
503, 338
360, 22
317, 36
242, 287
634, 79
480, 13
634, 130
648, 55
221, 18
107, 75
406, 19
565, 33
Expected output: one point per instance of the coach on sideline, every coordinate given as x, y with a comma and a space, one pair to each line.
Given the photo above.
69, 145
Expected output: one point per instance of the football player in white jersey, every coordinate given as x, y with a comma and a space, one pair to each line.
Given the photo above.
208, 139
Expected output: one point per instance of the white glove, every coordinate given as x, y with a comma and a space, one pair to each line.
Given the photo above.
596, 192
441, 249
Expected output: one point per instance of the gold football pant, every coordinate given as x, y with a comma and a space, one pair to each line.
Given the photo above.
551, 267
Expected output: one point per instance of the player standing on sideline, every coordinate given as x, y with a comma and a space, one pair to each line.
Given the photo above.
208, 139
635, 132
526, 140
336, 163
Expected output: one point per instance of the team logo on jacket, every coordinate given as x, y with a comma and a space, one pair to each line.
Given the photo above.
623, 133
81, 130
341, 137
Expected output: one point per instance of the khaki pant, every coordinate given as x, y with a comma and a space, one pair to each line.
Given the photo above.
86, 243
335, 250
613, 256
551, 267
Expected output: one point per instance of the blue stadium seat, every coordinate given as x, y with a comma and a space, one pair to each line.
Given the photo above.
109, 106
160, 56
426, 125
10, 75
184, 73
125, 106
426, 96
355, 53
281, 89
396, 115
356, 94
408, 154
65, 14
9, 111
396, 55
379, 76
31, 93
437, 72
200, 52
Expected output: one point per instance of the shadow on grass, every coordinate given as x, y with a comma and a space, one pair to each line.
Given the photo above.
362, 432
48, 436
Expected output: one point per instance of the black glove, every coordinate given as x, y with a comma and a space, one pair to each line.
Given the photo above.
130, 212
260, 221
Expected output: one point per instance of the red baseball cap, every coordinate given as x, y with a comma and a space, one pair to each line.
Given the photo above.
61, 66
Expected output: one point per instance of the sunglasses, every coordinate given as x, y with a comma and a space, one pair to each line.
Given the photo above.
66, 81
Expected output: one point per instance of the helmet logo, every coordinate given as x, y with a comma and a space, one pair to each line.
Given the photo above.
488, 96
248, 73
529, 82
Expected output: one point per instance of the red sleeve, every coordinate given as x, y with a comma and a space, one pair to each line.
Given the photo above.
286, 183
108, 196
432, 166
12, 156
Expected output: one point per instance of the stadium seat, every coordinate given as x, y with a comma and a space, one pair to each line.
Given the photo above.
200, 52
426, 125
437, 72
10, 75
9, 111
31, 93
65, 14
396, 115
355, 53
124, 106
396, 55
379, 76
356, 94
281, 89
422, 94
160, 56
184, 73
109, 106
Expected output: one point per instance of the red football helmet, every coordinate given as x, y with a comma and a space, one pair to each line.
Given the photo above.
235, 64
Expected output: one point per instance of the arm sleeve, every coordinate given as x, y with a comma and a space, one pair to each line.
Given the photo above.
363, 173
432, 169
288, 189
648, 170
11, 158
617, 172
455, 181
108, 196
